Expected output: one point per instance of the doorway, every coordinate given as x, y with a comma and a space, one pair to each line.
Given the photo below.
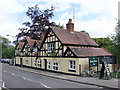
45, 61
21, 62
80, 69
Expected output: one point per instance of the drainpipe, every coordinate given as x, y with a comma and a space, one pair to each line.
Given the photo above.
31, 58
97, 63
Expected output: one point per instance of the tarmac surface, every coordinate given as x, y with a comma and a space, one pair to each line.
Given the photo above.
112, 83
108, 84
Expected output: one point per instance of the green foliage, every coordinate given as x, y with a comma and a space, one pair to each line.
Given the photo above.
109, 45
85, 32
60, 26
106, 43
7, 50
116, 40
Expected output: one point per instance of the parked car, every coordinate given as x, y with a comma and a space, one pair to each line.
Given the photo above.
3, 60
6, 61
11, 61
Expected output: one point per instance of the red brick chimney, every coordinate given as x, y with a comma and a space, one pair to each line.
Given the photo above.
70, 25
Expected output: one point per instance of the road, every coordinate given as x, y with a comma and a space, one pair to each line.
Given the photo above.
16, 78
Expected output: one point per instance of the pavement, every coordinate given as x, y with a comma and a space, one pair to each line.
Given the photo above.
112, 83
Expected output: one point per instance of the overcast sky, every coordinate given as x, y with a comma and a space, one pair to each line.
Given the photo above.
97, 17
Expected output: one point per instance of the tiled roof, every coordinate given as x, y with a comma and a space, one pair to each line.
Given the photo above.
86, 52
30, 42
21, 44
76, 38
39, 42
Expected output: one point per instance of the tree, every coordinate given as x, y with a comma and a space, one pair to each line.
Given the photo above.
60, 26
7, 50
85, 32
40, 20
116, 40
106, 43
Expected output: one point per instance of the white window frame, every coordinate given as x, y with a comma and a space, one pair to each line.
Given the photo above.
55, 66
39, 63
72, 65
51, 47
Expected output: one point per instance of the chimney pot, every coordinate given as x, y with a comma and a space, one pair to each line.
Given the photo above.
70, 25
70, 21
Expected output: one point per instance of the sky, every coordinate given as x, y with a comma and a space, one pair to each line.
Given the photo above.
97, 17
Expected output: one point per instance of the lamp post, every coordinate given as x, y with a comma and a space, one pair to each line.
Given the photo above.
14, 51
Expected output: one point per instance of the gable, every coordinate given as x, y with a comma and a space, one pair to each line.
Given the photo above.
26, 47
51, 46
30, 42
69, 53
19, 47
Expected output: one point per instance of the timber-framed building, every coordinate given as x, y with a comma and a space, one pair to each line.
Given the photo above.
63, 50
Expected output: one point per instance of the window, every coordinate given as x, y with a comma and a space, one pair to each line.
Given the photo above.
72, 65
55, 66
26, 50
54, 38
48, 65
16, 52
39, 64
51, 47
26, 61
35, 49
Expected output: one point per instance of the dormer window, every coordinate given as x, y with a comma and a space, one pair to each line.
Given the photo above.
35, 49
26, 49
51, 47
16, 52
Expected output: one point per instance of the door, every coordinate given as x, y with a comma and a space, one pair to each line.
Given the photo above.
79, 69
21, 62
45, 61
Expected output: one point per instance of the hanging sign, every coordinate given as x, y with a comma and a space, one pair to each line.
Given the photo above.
108, 59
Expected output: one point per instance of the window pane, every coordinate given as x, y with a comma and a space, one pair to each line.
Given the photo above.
55, 66
72, 64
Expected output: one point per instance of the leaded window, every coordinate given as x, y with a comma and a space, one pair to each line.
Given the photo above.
51, 47
72, 65
55, 66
